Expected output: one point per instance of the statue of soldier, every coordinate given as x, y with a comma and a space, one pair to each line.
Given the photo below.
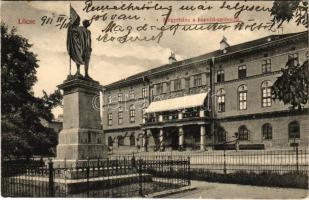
79, 42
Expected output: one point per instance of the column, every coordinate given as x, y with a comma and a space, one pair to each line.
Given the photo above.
203, 137
161, 139
144, 139
181, 138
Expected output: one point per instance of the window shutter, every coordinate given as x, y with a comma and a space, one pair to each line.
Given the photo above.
172, 86
204, 79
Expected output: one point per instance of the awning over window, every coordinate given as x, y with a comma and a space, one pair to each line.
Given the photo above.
178, 103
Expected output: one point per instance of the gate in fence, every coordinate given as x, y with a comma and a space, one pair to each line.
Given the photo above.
106, 178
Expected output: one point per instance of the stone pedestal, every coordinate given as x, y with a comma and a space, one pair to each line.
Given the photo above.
82, 138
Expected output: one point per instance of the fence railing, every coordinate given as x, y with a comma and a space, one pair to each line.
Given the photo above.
120, 177
278, 161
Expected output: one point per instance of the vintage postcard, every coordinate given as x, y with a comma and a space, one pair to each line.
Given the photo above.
154, 99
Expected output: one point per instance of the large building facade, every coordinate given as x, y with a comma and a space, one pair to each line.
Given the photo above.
222, 97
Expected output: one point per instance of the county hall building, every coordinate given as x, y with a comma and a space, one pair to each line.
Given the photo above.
221, 97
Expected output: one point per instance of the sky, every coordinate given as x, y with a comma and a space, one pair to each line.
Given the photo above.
112, 61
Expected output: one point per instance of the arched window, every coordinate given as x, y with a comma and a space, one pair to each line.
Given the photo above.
242, 97
221, 100
132, 140
294, 130
267, 131
120, 140
266, 93
221, 134
110, 141
132, 114
243, 133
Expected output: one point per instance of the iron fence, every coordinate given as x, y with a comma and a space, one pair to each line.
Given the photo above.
120, 177
277, 161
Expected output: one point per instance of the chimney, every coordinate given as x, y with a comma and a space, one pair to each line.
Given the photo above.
172, 58
224, 44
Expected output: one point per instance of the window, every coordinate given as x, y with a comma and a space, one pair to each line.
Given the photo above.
143, 109
109, 99
267, 132
110, 119
131, 94
120, 115
89, 137
168, 86
294, 130
144, 92
221, 100
132, 114
294, 58
221, 134
220, 76
243, 133
110, 141
266, 66
120, 140
159, 88
242, 71
177, 84
120, 97
242, 97
132, 140
197, 80
266, 94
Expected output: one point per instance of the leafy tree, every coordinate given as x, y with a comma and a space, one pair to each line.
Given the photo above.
22, 131
284, 10
292, 86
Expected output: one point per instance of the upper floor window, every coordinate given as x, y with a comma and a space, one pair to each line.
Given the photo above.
197, 80
132, 113
220, 76
120, 99
159, 88
267, 132
266, 66
168, 86
294, 58
243, 133
266, 94
177, 84
294, 130
221, 100
131, 94
242, 71
120, 115
144, 92
110, 119
109, 99
143, 109
242, 97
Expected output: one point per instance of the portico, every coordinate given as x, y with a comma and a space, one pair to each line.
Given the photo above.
180, 123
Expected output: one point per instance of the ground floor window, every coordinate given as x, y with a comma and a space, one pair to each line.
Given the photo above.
132, 140
294, 130
120, 140
267, 132
110, 141
243, 133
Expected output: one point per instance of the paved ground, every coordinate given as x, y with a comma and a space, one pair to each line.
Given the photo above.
232, 191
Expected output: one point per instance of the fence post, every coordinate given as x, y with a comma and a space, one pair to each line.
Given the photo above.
224, 161
297, 158
51, 178
140, 191
189, 171
87, 174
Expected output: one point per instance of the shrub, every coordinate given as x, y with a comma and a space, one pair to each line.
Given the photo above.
271, 179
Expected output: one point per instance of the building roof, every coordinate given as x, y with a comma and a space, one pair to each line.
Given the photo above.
178, 103
229, 50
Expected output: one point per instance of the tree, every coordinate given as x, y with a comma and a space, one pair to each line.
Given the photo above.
292, 86
22, 131
284, 10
